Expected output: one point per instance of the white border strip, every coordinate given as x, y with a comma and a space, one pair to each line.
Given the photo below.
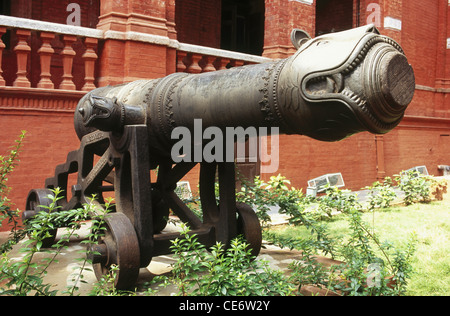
202, 50
35, 25
391, 23
310, 2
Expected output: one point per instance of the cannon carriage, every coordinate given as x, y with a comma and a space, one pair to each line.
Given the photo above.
334, 86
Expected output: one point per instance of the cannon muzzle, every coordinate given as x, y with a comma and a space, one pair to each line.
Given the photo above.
334, 86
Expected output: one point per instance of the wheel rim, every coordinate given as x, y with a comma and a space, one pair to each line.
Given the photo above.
248, 225
119, 246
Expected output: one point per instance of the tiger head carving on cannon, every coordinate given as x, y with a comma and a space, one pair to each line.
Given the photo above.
334, 86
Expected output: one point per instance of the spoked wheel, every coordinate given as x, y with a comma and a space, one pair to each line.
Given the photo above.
119, 246
38, 201
248, 225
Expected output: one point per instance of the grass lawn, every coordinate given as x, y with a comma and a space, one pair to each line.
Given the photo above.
430, 223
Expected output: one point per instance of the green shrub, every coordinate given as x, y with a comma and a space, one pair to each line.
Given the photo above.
381, 194
7, 165
25, 277
221, 271
417, 188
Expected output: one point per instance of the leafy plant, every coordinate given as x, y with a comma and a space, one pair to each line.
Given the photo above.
221, 271
105, 286
366, 258
337, 200
417, 187
7, 165
26, 277
381, 194
256, 194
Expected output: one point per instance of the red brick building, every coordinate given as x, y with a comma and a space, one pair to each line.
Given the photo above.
52, 52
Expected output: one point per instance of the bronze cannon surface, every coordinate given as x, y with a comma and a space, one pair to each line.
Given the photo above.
334, 86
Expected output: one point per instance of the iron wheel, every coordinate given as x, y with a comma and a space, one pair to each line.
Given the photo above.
120, 247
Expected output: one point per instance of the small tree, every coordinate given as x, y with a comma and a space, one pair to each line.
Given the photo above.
7, 165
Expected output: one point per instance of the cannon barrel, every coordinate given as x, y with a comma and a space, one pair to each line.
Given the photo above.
334, 86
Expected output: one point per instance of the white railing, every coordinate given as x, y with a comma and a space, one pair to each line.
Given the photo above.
197, 59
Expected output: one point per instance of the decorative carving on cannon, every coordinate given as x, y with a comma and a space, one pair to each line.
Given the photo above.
334, 86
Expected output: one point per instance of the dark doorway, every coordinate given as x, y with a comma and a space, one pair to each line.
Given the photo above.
333, 16
5, 7
242, 28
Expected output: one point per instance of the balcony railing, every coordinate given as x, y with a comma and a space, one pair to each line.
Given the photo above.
41, 51
60, 57
197, 59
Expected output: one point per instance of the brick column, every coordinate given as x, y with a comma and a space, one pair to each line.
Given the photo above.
442, 80
393, 14
442, 70
282, 17
171, 56
128, 54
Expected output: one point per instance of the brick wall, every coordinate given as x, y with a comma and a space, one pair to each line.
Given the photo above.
424, 36
409, 145
302, 159
333, 16
281, 18
50, 137
416, 146
420, 39
55, 10
198, 22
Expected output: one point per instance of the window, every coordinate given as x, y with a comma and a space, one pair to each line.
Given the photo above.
5, 7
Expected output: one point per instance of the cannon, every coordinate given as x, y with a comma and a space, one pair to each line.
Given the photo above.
335, 85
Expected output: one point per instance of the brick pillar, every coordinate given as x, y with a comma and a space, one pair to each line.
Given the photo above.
129, 55
393, 13
281, 18
442, 73
442, 80
380, 157
171, 56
